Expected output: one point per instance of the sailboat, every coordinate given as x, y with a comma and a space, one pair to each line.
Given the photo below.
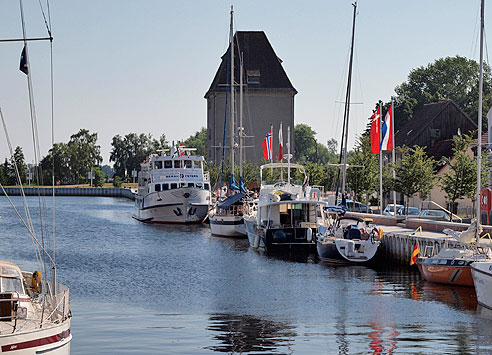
34, 307
343, 239
226, 218
453, 266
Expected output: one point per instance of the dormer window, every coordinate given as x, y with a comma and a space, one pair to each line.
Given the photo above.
253, 76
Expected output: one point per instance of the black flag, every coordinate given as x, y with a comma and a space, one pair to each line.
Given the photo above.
23, 62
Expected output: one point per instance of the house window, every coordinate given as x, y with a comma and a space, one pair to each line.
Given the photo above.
253, 76
168, 164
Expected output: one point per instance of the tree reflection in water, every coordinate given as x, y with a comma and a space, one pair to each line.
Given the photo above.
245, 333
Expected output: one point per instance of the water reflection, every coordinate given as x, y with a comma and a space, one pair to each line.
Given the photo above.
246, 333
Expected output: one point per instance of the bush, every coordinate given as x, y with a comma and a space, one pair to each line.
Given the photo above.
117, 181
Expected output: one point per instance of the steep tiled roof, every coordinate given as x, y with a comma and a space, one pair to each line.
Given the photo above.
260, 61
420, 120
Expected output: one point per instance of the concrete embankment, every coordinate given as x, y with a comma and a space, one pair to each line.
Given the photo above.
72, 191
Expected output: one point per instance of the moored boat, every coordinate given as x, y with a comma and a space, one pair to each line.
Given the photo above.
226, 219
173, 188
482, 279
285, 217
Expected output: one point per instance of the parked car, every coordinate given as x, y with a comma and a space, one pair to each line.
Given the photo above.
355, 206
435, 215
390, 209
413, 211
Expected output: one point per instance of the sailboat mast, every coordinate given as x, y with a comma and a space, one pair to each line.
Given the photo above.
232, 92
241, 74
347, 103
479, 145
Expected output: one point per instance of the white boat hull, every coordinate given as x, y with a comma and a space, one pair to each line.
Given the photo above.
227, 226
339, 250
482, 277
50, 340
183, 205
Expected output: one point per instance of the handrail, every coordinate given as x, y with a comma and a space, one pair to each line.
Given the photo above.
445, 210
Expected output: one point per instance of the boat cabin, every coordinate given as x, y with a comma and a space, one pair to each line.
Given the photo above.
11, 279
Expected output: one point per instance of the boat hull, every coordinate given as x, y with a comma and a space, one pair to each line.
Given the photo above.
343, 251
227, 226
446, 271
184, 205
482, 277
280, 239
51, 340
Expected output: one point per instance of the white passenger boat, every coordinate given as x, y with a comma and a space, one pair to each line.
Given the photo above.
173, 188
286, 213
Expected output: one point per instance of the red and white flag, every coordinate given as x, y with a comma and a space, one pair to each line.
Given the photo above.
280, 143
386, 131
375, 126
181, 151
267, 146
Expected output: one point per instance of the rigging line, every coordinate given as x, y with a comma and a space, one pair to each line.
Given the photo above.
44, 18
18, 178
29, 225
33, 236
34, 131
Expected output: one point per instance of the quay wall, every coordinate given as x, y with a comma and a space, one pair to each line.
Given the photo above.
73, 191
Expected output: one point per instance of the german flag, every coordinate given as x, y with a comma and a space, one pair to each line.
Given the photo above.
415, 252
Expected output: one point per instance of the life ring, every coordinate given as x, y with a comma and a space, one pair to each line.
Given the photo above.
181, 176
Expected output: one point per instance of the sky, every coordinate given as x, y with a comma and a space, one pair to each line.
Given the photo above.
143, 66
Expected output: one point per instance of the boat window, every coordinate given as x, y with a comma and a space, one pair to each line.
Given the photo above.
157, 187
158, 164
182, 184
207, 187
165, 187
197, 164
199, 185
177, 163
10, 284
490, 268
190, 184
188, 164
168, 164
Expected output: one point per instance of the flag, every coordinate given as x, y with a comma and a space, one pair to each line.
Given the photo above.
23, 67
181, 151
280, 143
415, 252
267, 146
386, 129
375, 126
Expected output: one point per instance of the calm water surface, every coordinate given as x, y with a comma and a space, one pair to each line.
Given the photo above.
138, 288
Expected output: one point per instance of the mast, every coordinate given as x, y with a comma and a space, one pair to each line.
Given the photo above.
241, 73
347, 104
232, 93
479, 145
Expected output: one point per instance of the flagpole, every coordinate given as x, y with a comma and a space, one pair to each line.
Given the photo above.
288, 156
393, 151
241, 115
271, 150
380, 121
281, 158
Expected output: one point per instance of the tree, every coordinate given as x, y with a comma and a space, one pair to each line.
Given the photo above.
198, 141
363, 180
305, 143
130, 151
415, 173
454, 78
100, 177
83, 154
59, 152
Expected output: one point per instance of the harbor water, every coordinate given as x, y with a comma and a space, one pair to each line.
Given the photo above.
173, 289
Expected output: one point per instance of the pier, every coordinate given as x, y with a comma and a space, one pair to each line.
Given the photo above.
72, 191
